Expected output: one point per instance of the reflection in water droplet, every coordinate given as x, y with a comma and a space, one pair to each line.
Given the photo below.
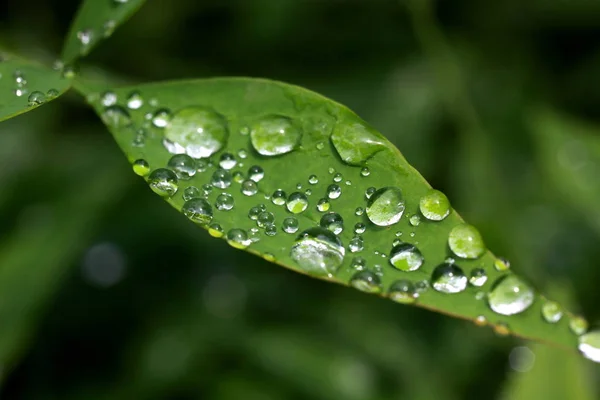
338, 178
403, 291
108, 98
334, 191
163, 182
551, 312
578, 325
238, 238
510, 295
332, 221
448, 278
358, 263
478, 277
365, 171
290, 225
275, 135
589, 345
406, 257
36, 98
141, 167
221, 179
249, 188
434, 206
256, 173
183, 165
466, 242
318, 251
323, 205
215, 230
385, 206
227, 161
191, 192
199, 130
278, 197
313, 180
224, 202
366, 281
265, 218
198, 210
297, 202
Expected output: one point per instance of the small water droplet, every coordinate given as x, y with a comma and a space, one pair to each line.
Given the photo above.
265, 219
434, 205
207, 189
360, 228
224, 202
108, 98
358, 263
478, 277
332, 221
69, 72
52, 93
406, 257
198, 211
163, 182
318, 251
331, 170
415, 220
116, 116
254, 235
183, 165
448, 278
270, 230
313, 180
465, 241
254, 213
256, 173
365, 171
215, 230
238, 238
323, 205
221, 179
278, 197
141, 167
290, 225
269, 257
480, 320
403, 291
227, 161
275, 135
356, 244
320, 146
85, 38
502, 329
338, 177
135, 100
369, 192
297, 202
334, 191
108, 27
552, 312
191, 192
249, 188
501, 264
510, 295
386, 206
366, 281
578, 325
359, 211
161, 118
589, 345
36, 98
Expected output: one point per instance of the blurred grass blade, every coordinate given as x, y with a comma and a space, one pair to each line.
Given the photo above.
36, 256
95, 21
305, 183
25, 86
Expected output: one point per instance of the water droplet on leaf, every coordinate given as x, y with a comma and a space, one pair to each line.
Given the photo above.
36, 98
385, 206
297, 202
406, 257
183, 165
589, 345
403, 291
332, 221
551, 312
141, 167
366, 281
163, 182
224, 202
199, 130
466, 242
510, 295
318, 251
275, 135
198, 211
238, 238
434, 206
448, 278
478, 277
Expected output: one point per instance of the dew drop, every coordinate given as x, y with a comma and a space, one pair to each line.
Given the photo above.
332, 221
254, 213
270, 230
191, 192
141, 167
52, 93
480, 320
334, 191
323, 205
198, 211
108, 98
135, 100
403, 291
85, 37
221, 179
448, 278
358, 263
256, 173
238, 238
578, 325
415, 220
356, 244
360, 228
365, 171
163, 182
318, 251
359, 211
199, 130
249, 188
552, 312
502, 329
338, 177
406, 257
227, 161
385, 206
510, 295
278, 197
275, 135
434, 205
224, 202
589, 345
297, 202
254, 235
465, 241
207, 189
183, 165
265, 218
501, 264
313, 180
290, 225
215, 230
478, 277
116, 116
36, 98
366, 281
369, 192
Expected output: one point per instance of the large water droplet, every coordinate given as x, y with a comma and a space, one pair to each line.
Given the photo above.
403, 291
510, 295
183, 165
297, 202
434, 206
318, 251
332, 221
274, 135
163, 182
198, 210
406, 257
356, 142
589, 345
385, 206
448, 278
366, 281
201, 131
465, 241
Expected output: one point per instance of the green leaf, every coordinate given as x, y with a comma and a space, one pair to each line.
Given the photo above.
292, 134
25, 86
96, 20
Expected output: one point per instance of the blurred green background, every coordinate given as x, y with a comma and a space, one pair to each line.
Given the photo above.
108, 293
